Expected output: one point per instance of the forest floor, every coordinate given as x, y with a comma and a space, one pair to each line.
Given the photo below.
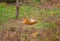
47, 28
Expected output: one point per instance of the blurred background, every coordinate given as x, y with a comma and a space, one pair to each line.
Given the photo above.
46, 12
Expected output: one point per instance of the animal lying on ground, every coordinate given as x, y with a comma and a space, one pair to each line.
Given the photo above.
29, 22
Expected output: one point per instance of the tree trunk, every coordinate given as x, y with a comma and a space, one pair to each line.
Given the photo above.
17, 8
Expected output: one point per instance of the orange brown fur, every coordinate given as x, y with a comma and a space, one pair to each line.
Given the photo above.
26, 21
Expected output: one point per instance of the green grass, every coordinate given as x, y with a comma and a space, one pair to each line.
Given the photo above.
9, 11
6, 12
